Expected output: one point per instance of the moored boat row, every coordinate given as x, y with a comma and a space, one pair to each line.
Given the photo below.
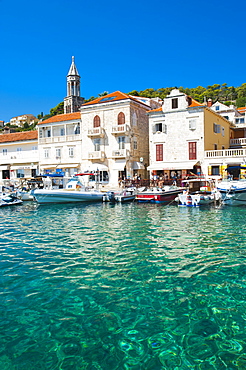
192, 193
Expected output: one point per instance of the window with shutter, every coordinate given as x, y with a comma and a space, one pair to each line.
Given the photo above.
159, 152
122, 141
192, 124
96, 121
121, 118
97, 143
192, 150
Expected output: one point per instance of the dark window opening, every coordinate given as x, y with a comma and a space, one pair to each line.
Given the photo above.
174, 103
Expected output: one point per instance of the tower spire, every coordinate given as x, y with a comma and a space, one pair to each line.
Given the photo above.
73, 69
73, 101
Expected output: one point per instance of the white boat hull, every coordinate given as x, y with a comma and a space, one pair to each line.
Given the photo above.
43, 196
9, 200
233, 193
124, 198
195, 200
234, 198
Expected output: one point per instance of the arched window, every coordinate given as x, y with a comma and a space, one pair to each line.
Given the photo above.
121, 118
96, 121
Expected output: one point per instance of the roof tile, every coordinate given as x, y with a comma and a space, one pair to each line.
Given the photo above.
112, 97
62, 117
19, 136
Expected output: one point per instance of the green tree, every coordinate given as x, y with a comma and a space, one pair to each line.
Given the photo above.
103, 94
241, 102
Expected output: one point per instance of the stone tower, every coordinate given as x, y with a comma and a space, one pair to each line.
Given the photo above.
73, 101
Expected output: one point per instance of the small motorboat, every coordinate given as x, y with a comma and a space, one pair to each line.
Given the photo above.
74, 192
233, 192
198, 192
127, 195
25, 195
198, 198
167, 194
10, 199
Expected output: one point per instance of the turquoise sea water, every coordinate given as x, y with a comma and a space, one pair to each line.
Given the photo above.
132, 286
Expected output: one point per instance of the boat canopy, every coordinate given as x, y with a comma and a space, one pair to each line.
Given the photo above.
235, 168
54, 174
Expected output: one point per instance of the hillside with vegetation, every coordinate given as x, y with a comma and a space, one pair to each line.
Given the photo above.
223, 93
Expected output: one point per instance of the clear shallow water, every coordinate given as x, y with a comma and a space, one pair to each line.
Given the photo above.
122, 287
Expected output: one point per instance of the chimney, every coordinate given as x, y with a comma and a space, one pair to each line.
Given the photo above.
6, 130
210, 103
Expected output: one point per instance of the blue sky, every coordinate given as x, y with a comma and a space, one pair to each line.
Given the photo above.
118, 45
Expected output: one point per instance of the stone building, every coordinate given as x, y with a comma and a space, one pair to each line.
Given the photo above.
114, 135
180, 132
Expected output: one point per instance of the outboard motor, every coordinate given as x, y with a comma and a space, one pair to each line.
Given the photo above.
109, 197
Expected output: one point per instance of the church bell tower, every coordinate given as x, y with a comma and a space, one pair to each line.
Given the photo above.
73, 101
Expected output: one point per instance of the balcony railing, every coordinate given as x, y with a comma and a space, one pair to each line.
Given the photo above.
121, 153
121, 129
238, 142
58, 139
23, 157
226, 153
96, 132
97, 155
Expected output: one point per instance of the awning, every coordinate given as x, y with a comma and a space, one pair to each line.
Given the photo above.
235, 168
97, 166
119, 165
138, 166
172, 166
2, 168
23, 167
70, 165
48, 166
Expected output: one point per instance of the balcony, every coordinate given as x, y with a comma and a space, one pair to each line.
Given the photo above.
97, 155
226, 153
96, 132
58, 139
238, 142
121, 153
121, 130
23, 157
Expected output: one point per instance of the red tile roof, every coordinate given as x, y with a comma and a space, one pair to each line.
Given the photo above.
241, 110
155, 110
112, 97
19, 136
62, 117
195, 103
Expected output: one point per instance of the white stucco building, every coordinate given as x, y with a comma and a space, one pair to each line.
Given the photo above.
19, 155
230, 113
59, 142
25, 118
